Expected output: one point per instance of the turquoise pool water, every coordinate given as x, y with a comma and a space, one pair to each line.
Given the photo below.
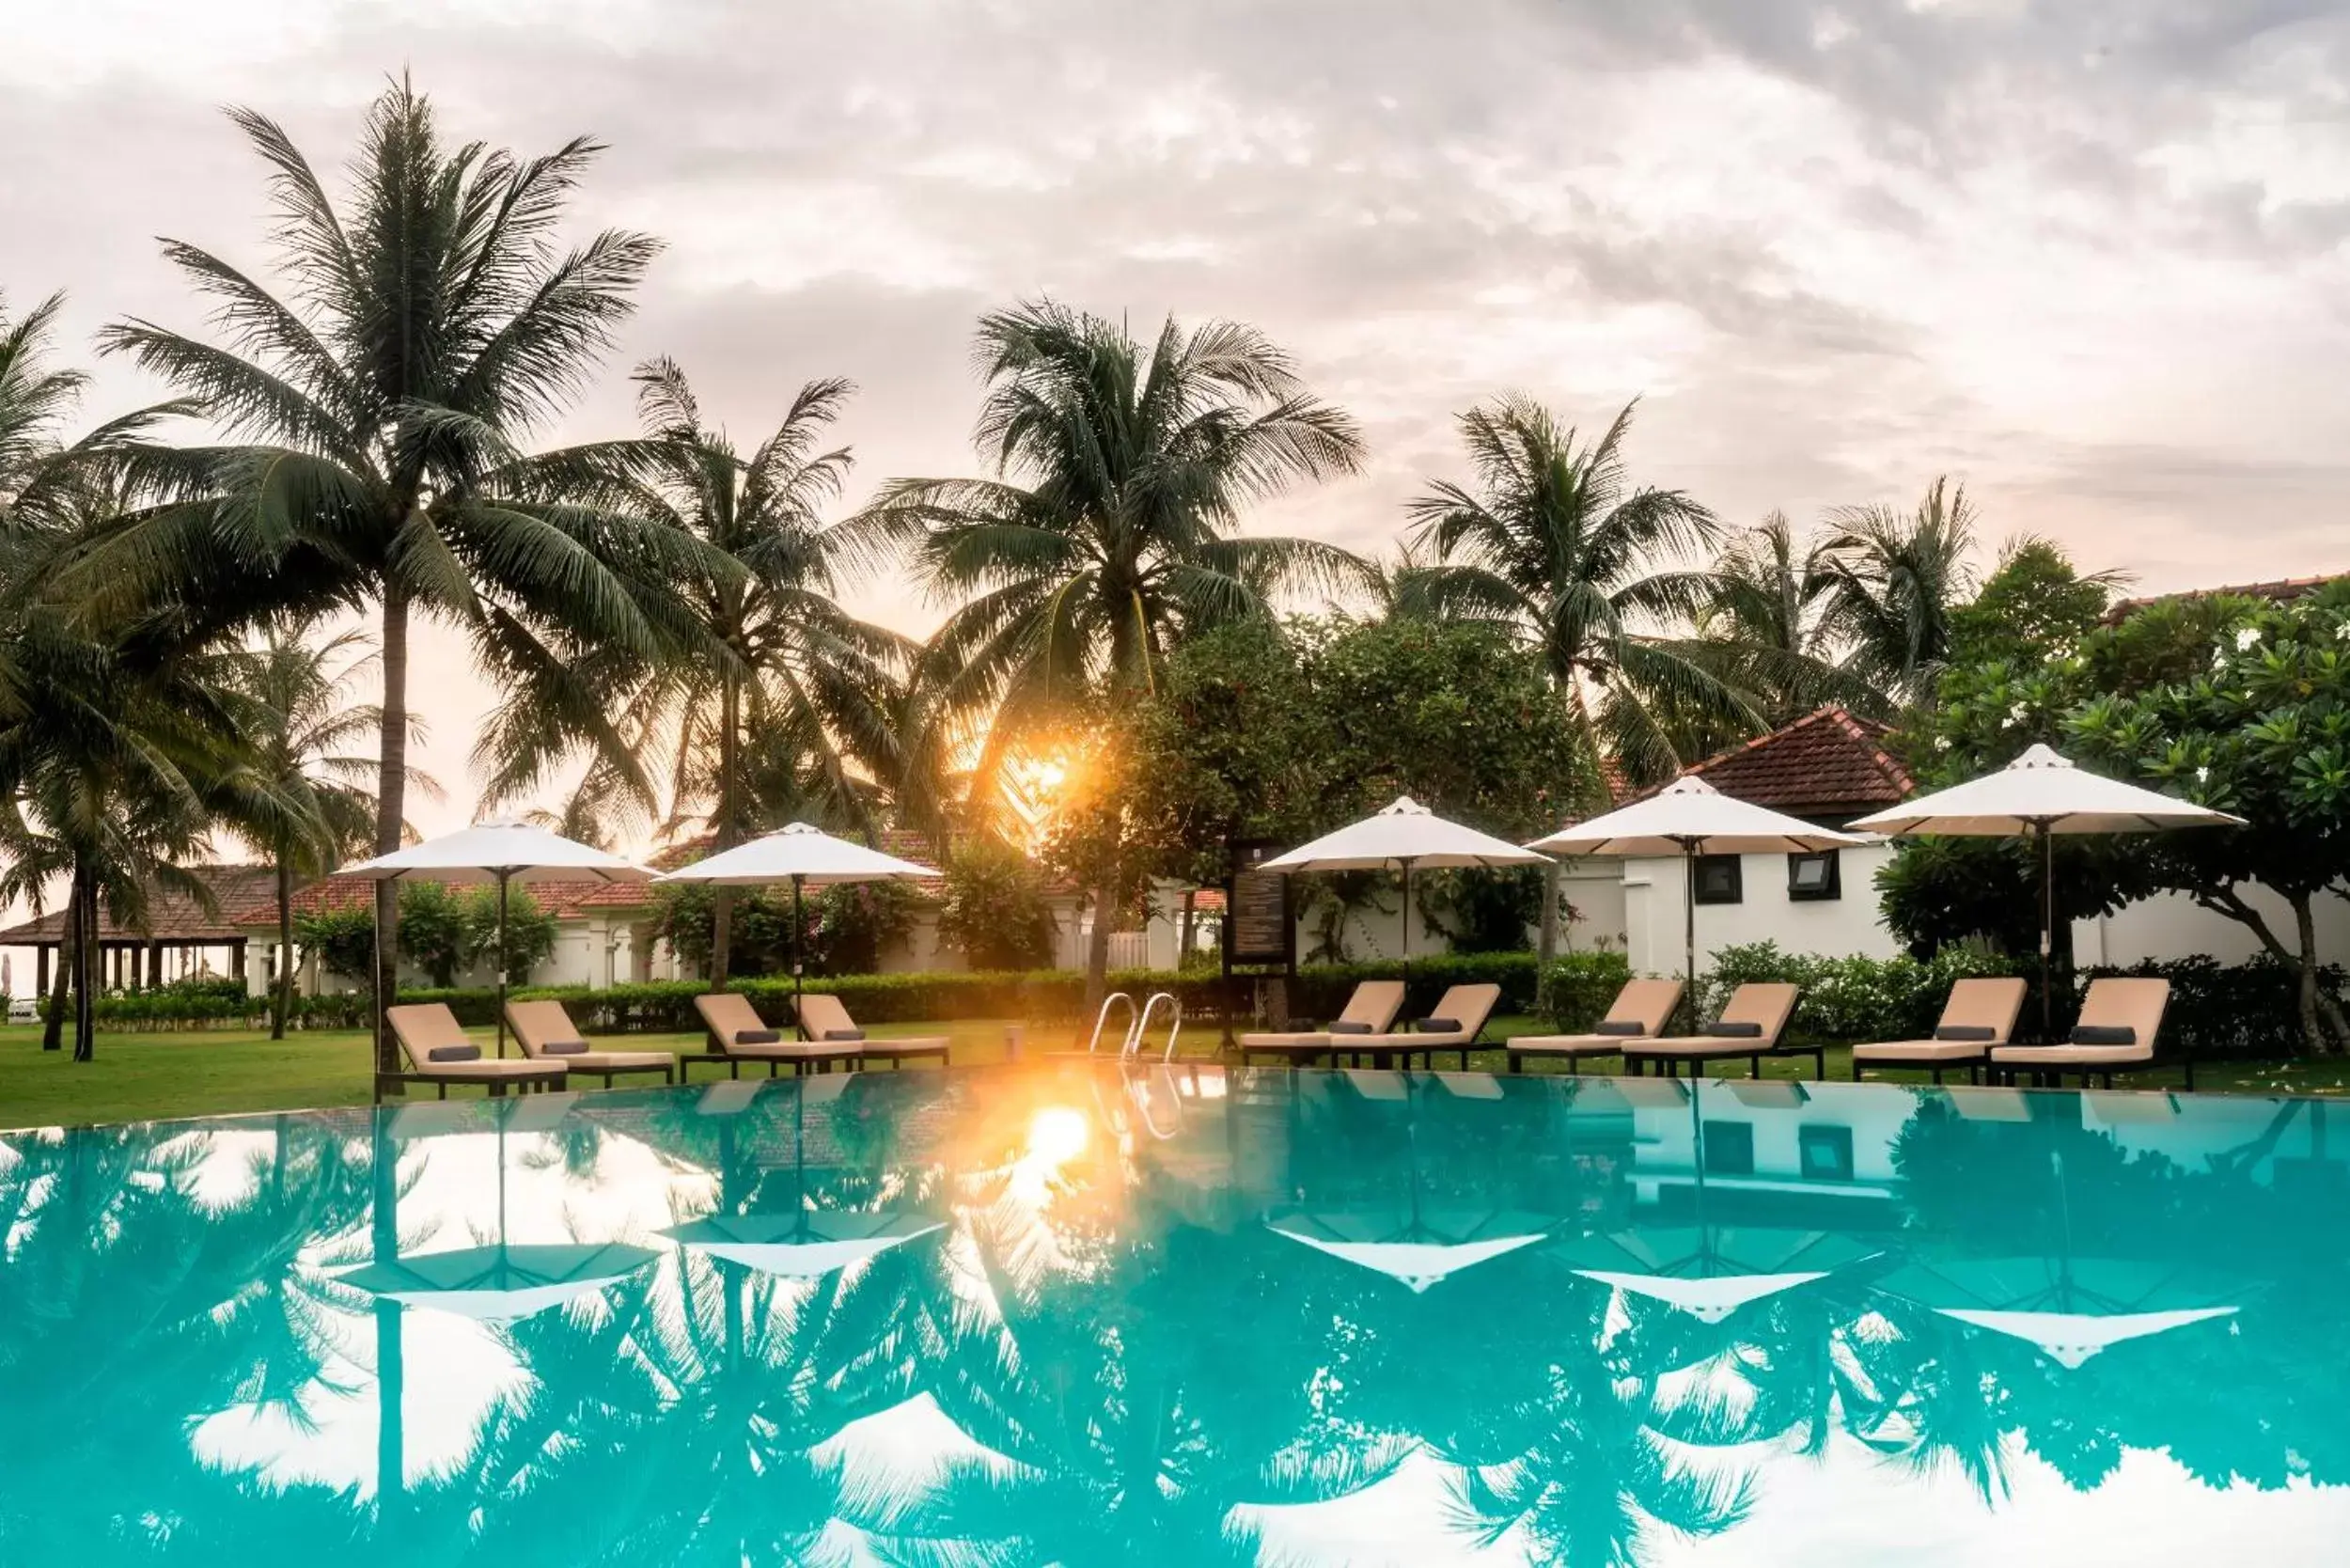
1051, 1315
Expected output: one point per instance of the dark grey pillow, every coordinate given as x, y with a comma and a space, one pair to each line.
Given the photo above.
564, 1048
844, 1034
1439, 1026
2104, 1034
757, 1037
1621, 1025
1346, 1025
1724, 1029
1965, 1031
454, 1053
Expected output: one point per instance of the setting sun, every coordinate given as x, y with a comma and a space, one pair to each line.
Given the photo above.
1057, 1136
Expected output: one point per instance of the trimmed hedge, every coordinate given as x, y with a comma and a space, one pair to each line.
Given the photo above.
667, 1006
2217, 1011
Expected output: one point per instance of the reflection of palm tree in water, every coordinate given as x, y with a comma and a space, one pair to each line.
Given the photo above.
135, 1310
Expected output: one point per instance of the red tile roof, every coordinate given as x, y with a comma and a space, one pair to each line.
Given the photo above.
2282, 590
562, 899
1828, 764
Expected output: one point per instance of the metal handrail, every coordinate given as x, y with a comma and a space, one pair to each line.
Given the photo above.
1142, 1024
1127, 1042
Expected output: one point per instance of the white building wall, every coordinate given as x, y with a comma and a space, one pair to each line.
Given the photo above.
1844, 927
2167, 926
2171, 925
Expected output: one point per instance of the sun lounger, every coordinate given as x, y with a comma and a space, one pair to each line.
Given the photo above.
2121, 1018
1979, 1017
440, 1053
825, 1021
1640, 1012
738, 1035
1370, 1010
547, 1034
1750, 1026
1462, 1011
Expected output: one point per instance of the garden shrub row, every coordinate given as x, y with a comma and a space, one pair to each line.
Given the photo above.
1041, 995
2218, 1011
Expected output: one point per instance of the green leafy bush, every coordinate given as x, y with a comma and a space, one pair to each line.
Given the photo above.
1846, 1000
993, 911
1578, 988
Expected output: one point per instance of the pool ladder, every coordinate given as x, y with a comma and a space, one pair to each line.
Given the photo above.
1138, 1024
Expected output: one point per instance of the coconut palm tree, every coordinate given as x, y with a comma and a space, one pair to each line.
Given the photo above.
1896, 578
376, 409
289, 697
791, 701
1553, 541
1106, 528
1768, 618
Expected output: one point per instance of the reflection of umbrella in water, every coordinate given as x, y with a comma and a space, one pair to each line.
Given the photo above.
1709, 1272
501, 1283
801, 1243
2071, 1308
805, 1245
1416, 1246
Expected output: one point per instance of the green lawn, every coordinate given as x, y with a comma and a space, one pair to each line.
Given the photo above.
205, 1072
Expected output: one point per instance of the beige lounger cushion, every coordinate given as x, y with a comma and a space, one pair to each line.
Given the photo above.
1306, 1042
1925, 1051
822, 1012
2135, 1002
1468, 1006
1768, 1003
728, 1013
537, 1024
1985, 1002
1374, 1003
1646, 1002
423, 1028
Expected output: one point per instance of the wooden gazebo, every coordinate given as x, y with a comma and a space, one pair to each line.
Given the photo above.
179, 931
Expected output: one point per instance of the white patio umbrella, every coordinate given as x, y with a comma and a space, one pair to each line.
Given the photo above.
806, 858
1404, 834
1689, 818
503, 852
2039, 795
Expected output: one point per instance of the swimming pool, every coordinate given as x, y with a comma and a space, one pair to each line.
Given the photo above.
1055, 1315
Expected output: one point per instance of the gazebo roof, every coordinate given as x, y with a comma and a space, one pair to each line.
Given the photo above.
174, 914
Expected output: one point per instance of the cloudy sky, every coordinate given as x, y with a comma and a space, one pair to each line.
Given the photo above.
2086, 255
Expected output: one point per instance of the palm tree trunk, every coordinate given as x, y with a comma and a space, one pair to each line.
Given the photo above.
285, 949
391, 785
85, 964
1188, 927
61, 991
1098, 942
722, 897
1547, 944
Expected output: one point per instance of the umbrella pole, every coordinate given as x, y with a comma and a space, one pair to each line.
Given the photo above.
799, 934
1689, 929
1407, 930
2047, 926
504, 876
